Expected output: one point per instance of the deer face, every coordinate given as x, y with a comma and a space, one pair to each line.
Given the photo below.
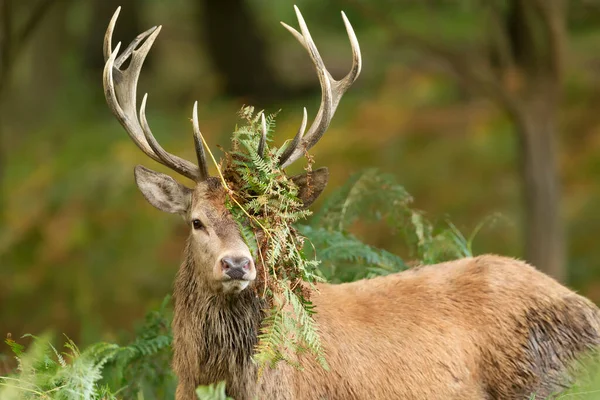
224, 262
222, 257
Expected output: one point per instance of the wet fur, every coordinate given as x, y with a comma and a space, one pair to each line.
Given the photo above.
478, 328
215, 334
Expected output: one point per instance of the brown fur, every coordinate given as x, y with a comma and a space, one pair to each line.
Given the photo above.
487, 327
481, 328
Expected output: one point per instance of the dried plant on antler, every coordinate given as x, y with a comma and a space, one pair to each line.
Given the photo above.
266, 205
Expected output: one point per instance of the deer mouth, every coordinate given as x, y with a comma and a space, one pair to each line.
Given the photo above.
244, 278
231, 285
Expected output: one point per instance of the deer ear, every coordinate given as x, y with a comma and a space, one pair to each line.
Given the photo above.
311, 185
162, 191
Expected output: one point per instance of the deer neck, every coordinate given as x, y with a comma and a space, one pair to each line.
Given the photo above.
214, 331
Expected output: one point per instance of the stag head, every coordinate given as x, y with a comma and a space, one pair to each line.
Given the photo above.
223, 259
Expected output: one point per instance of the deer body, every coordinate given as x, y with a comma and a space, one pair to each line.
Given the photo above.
478, 328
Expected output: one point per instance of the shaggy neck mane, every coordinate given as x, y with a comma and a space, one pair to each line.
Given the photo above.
222, 329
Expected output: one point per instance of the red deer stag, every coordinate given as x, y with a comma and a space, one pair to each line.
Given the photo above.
486, 327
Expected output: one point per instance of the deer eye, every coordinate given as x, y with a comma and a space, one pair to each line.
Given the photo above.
197, 224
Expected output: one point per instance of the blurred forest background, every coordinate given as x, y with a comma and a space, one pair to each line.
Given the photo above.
480, 108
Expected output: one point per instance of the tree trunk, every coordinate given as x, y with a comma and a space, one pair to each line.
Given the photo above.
238, 51
544, 232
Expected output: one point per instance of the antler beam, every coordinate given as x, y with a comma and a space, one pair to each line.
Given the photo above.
120, 87
331, 90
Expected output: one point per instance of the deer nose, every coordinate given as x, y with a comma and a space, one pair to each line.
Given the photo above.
235, 267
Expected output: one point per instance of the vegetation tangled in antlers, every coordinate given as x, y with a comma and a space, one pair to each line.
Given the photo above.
264, 201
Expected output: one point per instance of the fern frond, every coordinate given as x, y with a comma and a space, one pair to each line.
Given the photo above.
338, 249
267, 206
214, 391
369, 195
44, 378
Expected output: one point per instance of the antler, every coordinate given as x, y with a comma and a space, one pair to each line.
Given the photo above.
331, 90
120, 88
263, 138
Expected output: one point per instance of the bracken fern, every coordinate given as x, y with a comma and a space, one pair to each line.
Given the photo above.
264, 201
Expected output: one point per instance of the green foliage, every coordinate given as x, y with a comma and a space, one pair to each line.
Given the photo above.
372, 196
264, 202
368, 195
15, 347
340, 251
102, 371
44, 373
215, 391
143, 366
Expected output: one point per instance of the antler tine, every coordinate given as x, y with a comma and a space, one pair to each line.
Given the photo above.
351, 77
107, 44
134, 43
199, 145
177, 164
120, 88
331, 90
263, 138
294, 143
